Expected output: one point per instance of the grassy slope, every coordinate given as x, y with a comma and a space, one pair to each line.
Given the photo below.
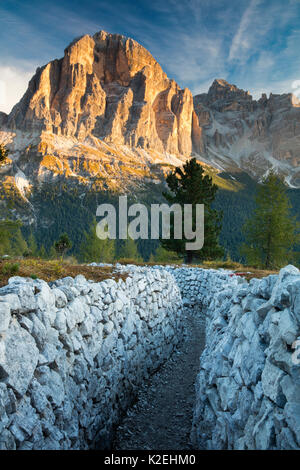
56, 269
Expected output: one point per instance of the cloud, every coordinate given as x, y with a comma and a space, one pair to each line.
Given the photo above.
13, 84
243, 38
261, 27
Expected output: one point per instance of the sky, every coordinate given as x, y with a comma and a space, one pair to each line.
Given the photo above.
253, 44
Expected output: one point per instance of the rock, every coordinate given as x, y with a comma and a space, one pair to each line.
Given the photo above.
24, 420
4, 317
60, 298
7, 440
290, 389
52, 385
271, 379
292, 416
228, 391
21, 358
24, 291
38, 331
13, 301
38, 397
231, 118
288, 328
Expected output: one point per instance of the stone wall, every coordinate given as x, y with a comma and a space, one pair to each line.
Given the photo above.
248, 388
73, 354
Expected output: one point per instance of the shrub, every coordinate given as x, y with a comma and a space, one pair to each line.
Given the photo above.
10, 268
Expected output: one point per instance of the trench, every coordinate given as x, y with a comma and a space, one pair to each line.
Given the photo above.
161, 417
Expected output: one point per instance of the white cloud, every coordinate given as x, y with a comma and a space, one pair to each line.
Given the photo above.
13, 84
243, 38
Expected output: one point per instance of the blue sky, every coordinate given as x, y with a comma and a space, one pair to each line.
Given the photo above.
251, 43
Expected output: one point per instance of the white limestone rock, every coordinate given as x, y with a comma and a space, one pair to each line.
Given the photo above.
5, 316
20, 358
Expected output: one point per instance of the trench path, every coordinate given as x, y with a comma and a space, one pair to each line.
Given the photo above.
161, 418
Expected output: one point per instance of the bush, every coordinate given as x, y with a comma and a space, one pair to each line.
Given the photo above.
58, 268
10, 268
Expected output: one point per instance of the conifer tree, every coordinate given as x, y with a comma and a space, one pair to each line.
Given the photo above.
271, 233
190, 185
93, 249
63, 244
32, 245
11, 239
42, 252
52, 253
128, 251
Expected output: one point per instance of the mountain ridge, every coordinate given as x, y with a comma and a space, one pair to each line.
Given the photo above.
253, 135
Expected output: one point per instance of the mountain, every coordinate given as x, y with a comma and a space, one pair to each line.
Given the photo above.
250, 135
106, 109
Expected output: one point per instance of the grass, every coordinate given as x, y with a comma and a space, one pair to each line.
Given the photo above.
50, 270
248, 272
36, 268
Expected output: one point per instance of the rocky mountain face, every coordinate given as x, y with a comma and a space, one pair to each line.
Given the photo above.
111, 88
252, 135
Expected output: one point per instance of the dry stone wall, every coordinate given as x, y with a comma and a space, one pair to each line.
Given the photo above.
72, 354
248, 388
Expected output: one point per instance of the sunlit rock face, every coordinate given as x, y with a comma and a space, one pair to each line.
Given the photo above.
109, 87
249, 134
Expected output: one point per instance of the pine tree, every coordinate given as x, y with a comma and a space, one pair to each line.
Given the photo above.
94, 249
52, 253
271, 233
3, 154
42, 252
4, 239
32, 245
63, 244
11, 239
190, 185
128, 251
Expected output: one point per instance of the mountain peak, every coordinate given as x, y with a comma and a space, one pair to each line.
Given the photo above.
110, 87
220, 88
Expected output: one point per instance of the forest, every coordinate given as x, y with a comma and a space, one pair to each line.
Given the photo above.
60, 210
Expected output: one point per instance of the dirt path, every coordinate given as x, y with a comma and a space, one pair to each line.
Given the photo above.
161, 419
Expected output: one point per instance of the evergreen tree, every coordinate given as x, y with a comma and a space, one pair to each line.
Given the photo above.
3, 153
4, 238
128, 251
52, 253
42, 252
190, 185
11, 239
271, 233
94, 249
32, 245
63, 244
